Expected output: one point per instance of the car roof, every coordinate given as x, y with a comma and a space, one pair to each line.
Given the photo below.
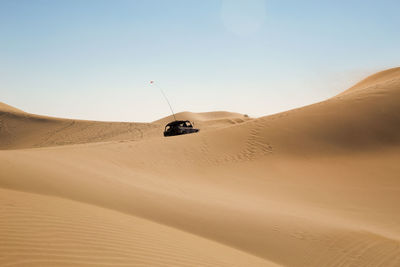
174, 123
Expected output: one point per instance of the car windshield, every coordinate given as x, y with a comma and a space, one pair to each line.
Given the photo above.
178, 124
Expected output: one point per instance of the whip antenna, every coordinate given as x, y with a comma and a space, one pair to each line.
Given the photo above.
162, 92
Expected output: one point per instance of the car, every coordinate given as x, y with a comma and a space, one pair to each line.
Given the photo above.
179, 128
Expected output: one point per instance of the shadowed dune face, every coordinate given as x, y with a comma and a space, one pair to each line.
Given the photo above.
314, 186
66, 233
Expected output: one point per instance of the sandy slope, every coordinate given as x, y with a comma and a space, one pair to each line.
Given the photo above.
22, 130
66, 233
315, 186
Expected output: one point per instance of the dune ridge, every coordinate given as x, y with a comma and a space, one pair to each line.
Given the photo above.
202, 116
313, 186
7, 108
23, 130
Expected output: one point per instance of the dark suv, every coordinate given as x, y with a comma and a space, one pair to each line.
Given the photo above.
179, 127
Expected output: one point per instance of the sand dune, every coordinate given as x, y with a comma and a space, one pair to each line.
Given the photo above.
66, 233
364, 117
314, 186
22, 130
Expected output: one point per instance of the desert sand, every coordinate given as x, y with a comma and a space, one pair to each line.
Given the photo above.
313, 186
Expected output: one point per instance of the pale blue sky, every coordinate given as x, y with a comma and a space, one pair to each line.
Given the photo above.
94, 59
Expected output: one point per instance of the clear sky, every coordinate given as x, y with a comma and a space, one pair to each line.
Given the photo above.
94, 59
